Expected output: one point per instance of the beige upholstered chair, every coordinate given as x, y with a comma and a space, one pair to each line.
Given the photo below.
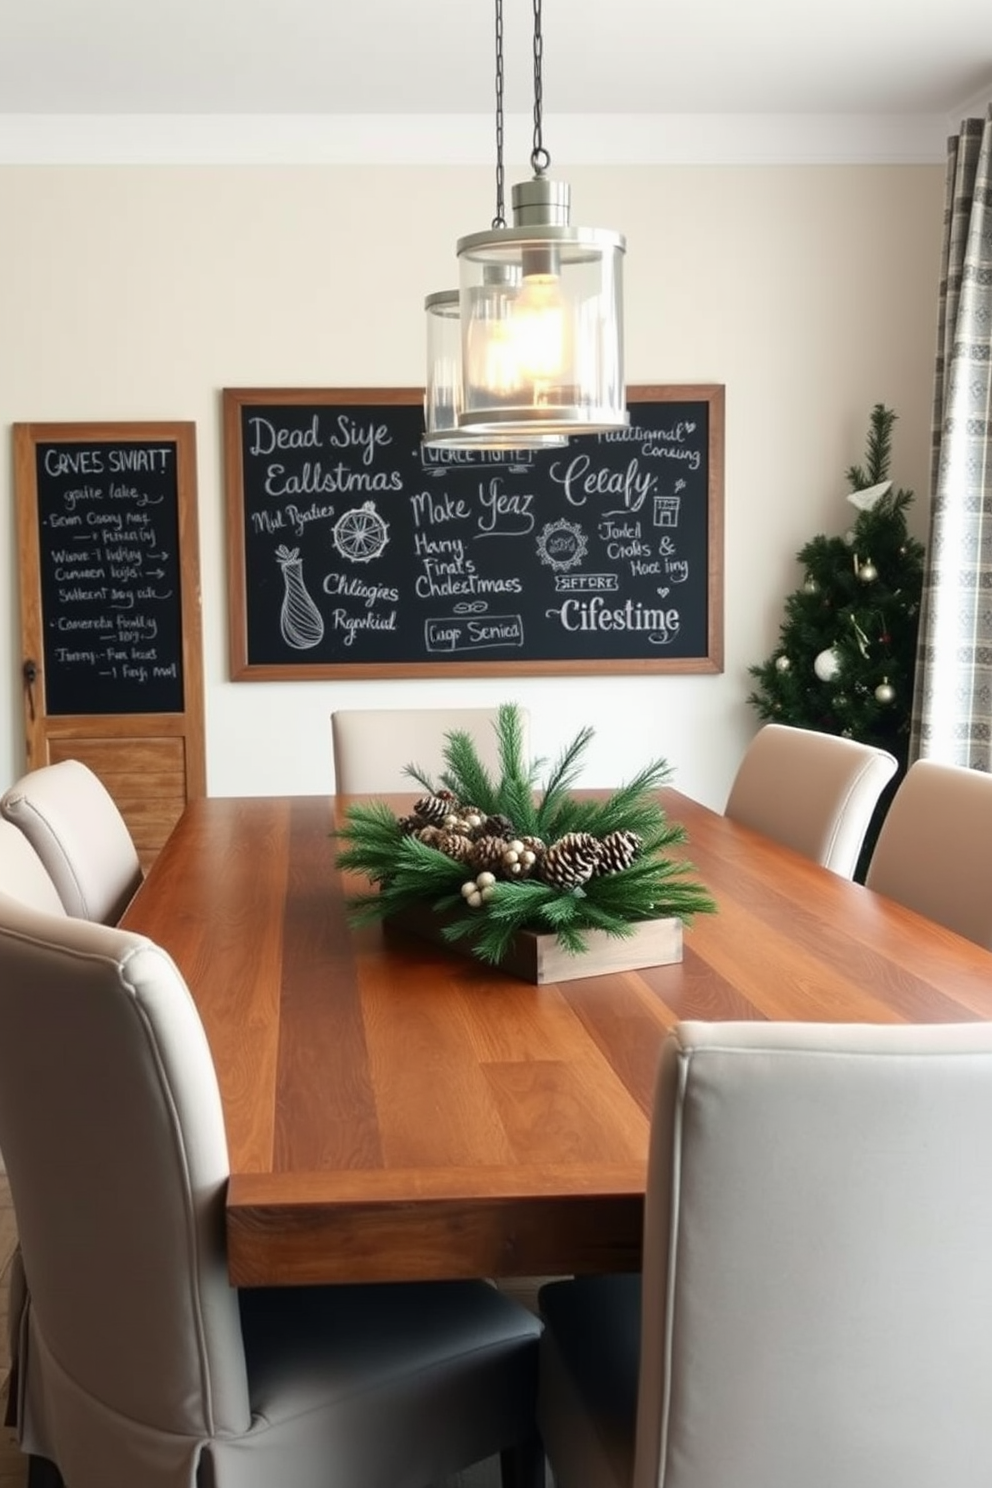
73, 824
934, 852
810, 791
23, 877
816, 1301
372, 746
136, 1362
22, 873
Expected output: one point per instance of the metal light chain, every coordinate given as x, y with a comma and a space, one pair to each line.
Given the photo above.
539, 157
499, 220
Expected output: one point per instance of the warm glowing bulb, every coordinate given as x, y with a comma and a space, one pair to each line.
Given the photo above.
538, 320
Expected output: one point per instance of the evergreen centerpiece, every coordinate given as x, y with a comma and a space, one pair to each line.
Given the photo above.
493, 858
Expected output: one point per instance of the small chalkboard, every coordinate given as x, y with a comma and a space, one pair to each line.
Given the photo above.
354, 551
109, 571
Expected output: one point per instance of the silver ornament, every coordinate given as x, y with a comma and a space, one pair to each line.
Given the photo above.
811, 586
827, 664
782, 663
867, 573
885, 692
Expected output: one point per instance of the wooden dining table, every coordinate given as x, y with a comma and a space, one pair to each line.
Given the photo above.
395, 1109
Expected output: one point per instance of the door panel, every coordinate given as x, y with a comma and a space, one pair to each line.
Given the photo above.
120, 582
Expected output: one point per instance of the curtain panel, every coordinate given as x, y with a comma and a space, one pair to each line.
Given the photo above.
952, 708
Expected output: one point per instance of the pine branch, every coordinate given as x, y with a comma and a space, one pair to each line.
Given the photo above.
422, 777
632, 808
465, 775
561, 780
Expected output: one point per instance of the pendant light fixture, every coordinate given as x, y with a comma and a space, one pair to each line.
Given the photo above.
443, 389
540, 305
443, 393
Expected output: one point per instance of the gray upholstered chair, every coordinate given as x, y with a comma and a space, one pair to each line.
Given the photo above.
816, 1302
75, 827
135, 1361
812, 792
934, 851
372, 746
22, 873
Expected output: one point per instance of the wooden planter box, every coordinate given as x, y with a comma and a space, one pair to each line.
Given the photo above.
539, 958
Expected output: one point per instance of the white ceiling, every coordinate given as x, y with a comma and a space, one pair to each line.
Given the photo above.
411, 81
436, 56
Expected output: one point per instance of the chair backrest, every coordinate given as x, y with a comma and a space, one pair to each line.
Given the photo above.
810, 791
22, 873
73, 824
113, 1135
934, 851
817, 1295
372, 746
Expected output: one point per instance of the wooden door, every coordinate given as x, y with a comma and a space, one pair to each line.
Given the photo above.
111, 637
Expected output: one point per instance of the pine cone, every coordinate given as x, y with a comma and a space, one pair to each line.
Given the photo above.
456, 845
571, 860
408, 824
487, 854
429, 835
434, 808
498, 826
617, 850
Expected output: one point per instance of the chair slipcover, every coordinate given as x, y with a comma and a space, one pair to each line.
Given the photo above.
135, 1360
816, 1303
22, 873
73, 824
810, 791
934, 852
372, 746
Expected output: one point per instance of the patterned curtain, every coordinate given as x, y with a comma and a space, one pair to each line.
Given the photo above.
952, 708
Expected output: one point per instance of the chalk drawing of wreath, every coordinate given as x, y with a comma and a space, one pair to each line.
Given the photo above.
360, 534
562, 545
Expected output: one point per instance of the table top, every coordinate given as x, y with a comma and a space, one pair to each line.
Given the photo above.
395, 1109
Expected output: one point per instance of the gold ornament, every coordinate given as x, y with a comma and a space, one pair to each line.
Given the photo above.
782, 663
868, 573
885, 692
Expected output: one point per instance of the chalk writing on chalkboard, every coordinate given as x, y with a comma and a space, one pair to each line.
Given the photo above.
110, 577
355, 551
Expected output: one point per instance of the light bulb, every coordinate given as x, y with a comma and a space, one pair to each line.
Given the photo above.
492, 357
539, 333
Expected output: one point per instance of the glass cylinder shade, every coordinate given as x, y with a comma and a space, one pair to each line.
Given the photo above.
443, 388
542, 330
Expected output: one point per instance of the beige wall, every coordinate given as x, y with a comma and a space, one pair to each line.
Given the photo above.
810, 292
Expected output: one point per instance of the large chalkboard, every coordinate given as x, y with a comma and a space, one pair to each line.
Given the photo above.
105, 543
355, 552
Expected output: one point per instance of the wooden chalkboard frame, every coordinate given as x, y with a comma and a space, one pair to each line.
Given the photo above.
243, 669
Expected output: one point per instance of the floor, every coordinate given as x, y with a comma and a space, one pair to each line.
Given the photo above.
13, 1465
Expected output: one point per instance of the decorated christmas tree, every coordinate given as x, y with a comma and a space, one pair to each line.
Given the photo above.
846, 655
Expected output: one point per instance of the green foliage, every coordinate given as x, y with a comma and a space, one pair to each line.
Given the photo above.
468, 779
407, 873
860, 598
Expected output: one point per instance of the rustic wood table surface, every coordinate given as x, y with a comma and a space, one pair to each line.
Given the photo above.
397, 1110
